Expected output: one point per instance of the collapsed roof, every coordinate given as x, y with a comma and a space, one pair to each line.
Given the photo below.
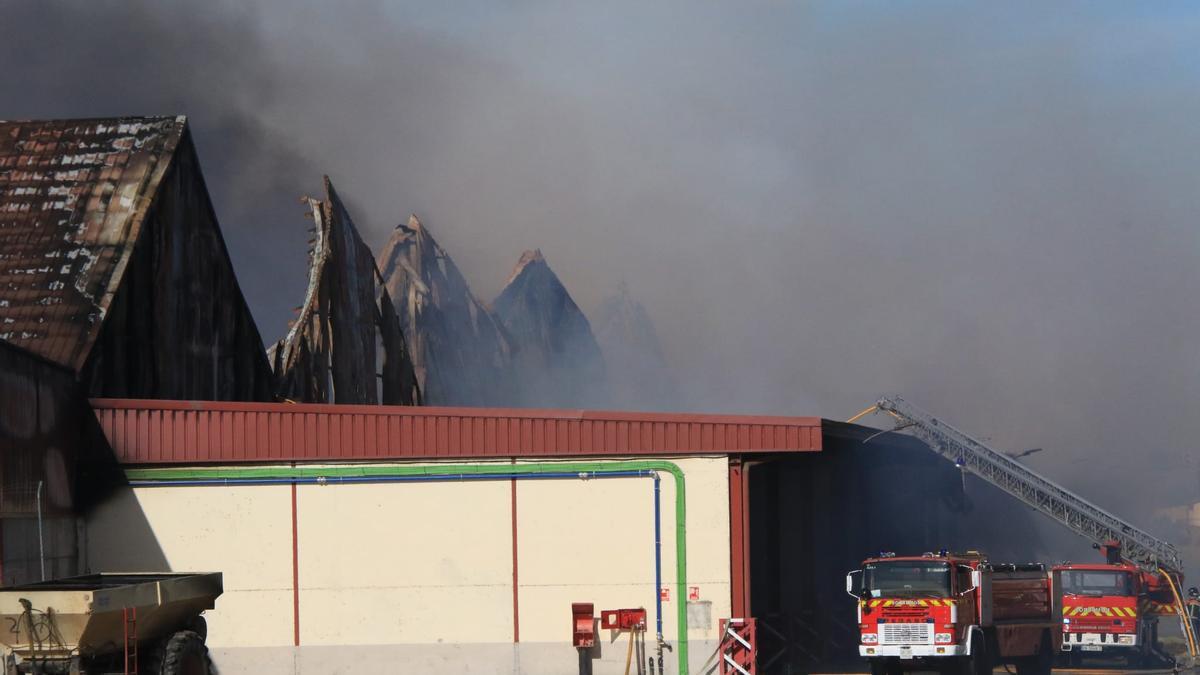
460, 351
329, 354
557, 356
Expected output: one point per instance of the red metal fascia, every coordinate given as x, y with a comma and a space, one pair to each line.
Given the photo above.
167, 432
448, 411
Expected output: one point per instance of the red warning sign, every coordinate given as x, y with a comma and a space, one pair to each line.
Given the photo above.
664, 594
693, 593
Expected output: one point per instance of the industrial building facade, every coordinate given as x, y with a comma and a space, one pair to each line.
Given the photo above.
363, 538
356, 538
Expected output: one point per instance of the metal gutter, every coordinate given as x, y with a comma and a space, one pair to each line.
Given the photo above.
410, 474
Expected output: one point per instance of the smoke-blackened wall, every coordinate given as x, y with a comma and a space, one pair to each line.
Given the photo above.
54, 465
179, 326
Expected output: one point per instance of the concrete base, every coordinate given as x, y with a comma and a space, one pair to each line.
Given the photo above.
434, 659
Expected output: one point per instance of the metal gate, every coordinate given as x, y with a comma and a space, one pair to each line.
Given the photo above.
739, 647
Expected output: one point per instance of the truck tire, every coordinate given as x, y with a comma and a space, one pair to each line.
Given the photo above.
183, 653
200, 627
980, 660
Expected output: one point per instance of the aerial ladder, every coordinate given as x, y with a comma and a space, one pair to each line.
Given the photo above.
1069, 509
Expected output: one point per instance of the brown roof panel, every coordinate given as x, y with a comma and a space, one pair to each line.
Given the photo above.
204, 432
73, 194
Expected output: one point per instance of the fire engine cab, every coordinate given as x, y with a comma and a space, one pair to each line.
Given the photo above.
1111, 609
941, 610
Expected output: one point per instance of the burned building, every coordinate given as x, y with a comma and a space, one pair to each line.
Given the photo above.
114, 282
112, 264
461, 353
559, 362
347, 327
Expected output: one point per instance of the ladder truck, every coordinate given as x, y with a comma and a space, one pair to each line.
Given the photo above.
1151, 567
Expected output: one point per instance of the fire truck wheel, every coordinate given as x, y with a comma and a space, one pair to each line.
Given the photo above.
979, 662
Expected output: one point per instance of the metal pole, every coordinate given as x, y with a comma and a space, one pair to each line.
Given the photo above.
41, 544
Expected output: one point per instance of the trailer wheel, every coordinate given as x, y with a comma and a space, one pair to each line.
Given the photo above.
183, 653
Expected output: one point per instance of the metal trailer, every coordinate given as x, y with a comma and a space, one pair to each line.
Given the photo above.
101, 624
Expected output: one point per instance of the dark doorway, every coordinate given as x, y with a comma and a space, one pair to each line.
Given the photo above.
815, 517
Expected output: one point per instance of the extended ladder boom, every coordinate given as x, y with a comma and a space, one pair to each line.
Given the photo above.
1079, 515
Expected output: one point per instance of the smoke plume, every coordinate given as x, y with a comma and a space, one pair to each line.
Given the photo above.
991, 209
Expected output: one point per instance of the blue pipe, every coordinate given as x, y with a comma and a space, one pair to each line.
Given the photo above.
658, 563
429, 478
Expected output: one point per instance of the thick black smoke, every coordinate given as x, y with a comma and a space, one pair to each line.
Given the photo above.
990, 209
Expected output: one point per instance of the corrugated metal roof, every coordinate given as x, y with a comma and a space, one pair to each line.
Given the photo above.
73, 194
170, 432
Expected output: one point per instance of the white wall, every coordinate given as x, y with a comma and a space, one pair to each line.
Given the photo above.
417, 577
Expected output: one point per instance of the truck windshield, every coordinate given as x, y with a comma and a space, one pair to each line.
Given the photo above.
1096, 582
907, 578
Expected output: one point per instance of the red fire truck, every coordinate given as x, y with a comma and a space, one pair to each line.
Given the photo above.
946, 611
1111, 609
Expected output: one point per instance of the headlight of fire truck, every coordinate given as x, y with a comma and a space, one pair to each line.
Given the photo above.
1125, 639
943, 638
870, 638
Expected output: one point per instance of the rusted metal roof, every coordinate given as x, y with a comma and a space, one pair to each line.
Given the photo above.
179, 432
73, 195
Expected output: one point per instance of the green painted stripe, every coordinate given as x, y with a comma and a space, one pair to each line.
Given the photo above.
451, 470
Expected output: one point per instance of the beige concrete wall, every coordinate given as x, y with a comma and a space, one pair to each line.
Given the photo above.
243, 532
593, 541
405, 563
420, 574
